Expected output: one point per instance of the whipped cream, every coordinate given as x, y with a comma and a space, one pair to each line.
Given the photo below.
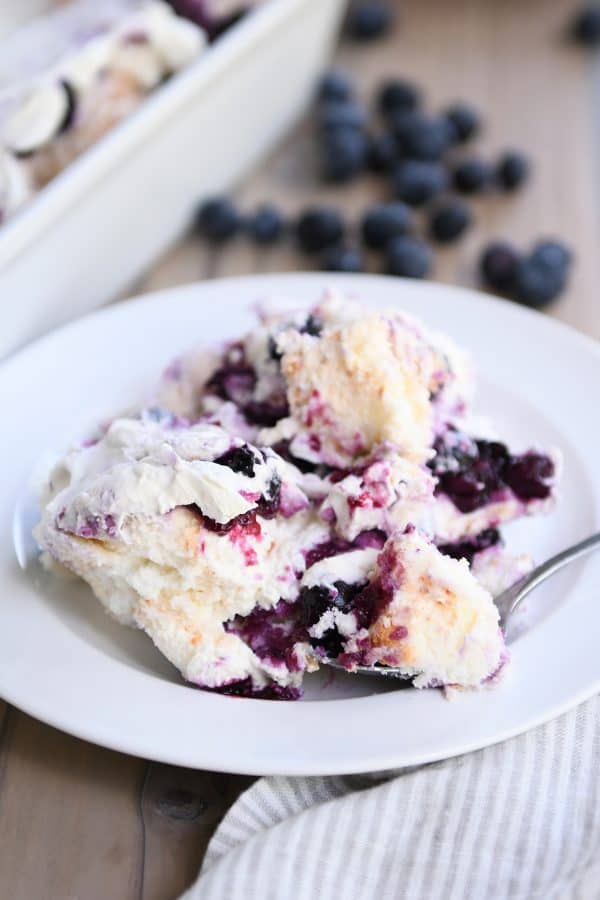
142, 468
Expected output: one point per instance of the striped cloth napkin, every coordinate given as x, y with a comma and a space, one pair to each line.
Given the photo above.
517, 820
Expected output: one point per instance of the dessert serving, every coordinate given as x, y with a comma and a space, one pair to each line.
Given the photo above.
315, 490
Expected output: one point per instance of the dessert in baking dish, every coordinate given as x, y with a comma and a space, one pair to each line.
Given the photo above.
100, 78
309, 491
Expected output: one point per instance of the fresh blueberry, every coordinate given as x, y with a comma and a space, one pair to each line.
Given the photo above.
537, 285
449, 220
385, 221
408, 257
343, 154
585, 28
420, 136
471, 176
465, 119
341, 114
318, 228
512, 170
341, 259
417, 182
369, 20
396, 96
266, 225
382, 154
498, 265
217, 220
335, 86
552, 254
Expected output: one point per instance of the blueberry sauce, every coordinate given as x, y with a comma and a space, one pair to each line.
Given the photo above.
272, 634
337, 545
245, 688
479, 472
239, 459
282, 448
235, 380
365, 601
267, 507
312, 326
470, 546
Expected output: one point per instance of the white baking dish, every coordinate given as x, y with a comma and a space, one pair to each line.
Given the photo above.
100, 223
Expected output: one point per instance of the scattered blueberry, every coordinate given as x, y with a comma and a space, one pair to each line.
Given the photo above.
417, 182
396, 96
341, 259
408, 257
449, 220
552, 254
420, 136
512, 170
473, 175
369, 20
318, 228
385, 221
341, 114
218, 220
335, 85
498, 266
382, 154
343, 154
585, 28
465, 119
537, 285
266, 225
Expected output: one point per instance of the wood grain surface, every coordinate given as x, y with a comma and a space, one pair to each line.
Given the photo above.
78, 821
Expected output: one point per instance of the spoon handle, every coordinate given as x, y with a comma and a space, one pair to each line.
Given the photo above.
510, 600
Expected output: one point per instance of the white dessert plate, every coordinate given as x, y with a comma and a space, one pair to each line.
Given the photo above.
63, 661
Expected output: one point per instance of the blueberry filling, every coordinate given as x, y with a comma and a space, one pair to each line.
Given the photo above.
315, 601
239, 459
374, 538
244, 520
271, 634
312, 326
479, 472
235, 380
282, 448
274, 352
468, 548
266, 413
245, 688
266, 507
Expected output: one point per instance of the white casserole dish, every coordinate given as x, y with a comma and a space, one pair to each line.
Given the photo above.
100, 223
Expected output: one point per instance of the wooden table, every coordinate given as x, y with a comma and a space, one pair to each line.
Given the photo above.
77, 821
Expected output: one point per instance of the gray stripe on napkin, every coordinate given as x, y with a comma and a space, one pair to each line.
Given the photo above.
517, 821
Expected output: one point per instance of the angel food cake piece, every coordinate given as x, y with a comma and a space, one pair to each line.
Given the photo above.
178, 529
313, 493
408, 606
88, 92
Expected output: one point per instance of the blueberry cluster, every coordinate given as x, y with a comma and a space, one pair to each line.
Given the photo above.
535, 278
428, 178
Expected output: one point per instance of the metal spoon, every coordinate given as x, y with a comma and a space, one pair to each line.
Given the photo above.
507, 602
